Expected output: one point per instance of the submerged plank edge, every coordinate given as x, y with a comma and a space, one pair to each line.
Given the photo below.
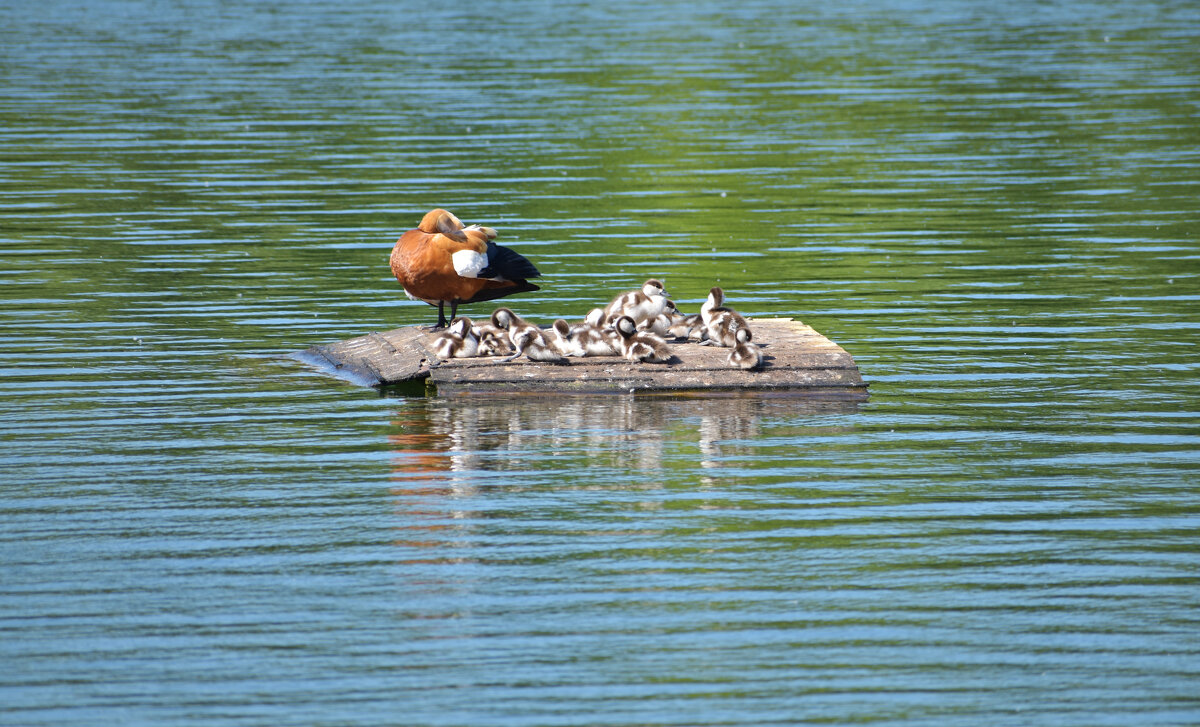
798, 361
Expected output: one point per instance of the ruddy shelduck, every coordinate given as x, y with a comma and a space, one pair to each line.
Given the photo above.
444, 262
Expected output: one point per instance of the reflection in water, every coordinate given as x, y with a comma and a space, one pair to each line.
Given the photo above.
447, 451
465, 436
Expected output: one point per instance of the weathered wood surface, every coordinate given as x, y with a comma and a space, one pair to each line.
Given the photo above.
798, 360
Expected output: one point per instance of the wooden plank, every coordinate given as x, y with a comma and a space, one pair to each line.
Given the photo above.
798, 360
376, 359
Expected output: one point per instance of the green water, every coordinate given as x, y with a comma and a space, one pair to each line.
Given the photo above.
993, 207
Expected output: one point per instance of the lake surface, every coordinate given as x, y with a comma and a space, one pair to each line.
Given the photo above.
995, 207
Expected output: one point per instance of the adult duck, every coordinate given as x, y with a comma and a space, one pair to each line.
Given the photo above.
444, 262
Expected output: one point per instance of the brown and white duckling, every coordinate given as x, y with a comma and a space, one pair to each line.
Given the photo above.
595, 338
560, 337
492, 340
745, 355
660, 325
526, 338
682, 327
457, 341
640, 305
678, 326
721, 324
641, 345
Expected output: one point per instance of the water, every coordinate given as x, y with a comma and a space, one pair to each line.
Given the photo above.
993, 207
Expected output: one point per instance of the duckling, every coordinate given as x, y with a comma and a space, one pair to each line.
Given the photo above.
457, 341
682, 327
443, 262
660, 325
640, 305
492, 340
594, 337
745, 355
526, 338
721, 324
641, 345
560, 337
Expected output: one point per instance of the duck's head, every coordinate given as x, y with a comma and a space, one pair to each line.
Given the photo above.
653, 287
460, 326
716, 297
440, 220
743, 335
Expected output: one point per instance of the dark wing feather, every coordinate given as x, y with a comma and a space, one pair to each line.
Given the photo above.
501, 290
508, 265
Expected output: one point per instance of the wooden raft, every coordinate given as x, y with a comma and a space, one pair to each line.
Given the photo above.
798, 361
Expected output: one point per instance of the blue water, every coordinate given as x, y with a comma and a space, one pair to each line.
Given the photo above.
993, 208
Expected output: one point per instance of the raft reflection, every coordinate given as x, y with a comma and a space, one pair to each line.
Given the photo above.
462, 444
463, 467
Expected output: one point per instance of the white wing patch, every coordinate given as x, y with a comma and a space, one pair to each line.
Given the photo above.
468, 263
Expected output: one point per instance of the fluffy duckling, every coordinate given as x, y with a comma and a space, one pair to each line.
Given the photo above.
640, 305
660, 325
526, 338
560, 337
457, 341
676, 325
641, 345
682, 327
745, 355
721, 324
594, 337
492, 340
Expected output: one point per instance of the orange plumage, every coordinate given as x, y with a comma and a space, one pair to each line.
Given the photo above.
444, 262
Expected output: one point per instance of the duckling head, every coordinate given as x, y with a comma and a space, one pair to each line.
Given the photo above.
595, 317
502, 318
743, 335
625, 326
461, 326
716, 297
653, 287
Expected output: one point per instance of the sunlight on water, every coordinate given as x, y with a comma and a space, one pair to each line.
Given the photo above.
992, 207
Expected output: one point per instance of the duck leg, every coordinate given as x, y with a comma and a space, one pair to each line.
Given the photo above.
441, 316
